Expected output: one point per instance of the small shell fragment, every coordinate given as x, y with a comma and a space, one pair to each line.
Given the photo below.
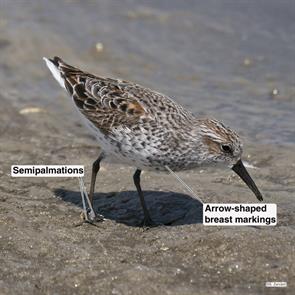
164, 248
31, 110
247, 62
248, 165
275, 92
99, 47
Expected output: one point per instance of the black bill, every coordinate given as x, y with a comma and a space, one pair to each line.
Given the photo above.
240, 169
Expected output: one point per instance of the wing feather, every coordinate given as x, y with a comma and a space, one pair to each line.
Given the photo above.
110, 103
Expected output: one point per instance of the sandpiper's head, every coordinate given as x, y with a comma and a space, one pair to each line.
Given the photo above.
221, 145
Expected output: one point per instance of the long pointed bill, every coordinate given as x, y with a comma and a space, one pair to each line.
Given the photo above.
240, 169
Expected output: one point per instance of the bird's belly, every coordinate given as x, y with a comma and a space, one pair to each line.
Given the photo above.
146, 155
115, 147
142, 151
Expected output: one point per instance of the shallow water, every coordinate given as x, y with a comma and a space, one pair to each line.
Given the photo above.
220, 58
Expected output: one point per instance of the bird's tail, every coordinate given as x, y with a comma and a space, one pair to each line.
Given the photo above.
54, 67
66, 75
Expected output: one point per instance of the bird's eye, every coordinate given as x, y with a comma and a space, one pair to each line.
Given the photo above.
226, 148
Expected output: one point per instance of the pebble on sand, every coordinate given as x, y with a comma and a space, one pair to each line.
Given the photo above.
247, 62
32, 110
275, 92
99, 47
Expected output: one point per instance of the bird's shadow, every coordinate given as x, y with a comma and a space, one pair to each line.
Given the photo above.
167, 208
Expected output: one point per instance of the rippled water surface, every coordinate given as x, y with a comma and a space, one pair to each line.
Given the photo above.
228, 59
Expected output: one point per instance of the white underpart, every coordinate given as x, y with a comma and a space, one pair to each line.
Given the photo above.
55, 72
125, 154
109, 148
129, 154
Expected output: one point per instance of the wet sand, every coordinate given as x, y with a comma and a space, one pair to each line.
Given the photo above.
43, 251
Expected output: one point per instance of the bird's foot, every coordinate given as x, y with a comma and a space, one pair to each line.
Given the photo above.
90, 217
147, 223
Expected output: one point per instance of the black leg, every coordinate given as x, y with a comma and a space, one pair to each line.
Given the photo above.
95, 169
147, 219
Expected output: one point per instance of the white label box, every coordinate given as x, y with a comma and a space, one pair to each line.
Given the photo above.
47, 170
240, 214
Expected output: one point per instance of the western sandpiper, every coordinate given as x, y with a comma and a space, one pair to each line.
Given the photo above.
147, 129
